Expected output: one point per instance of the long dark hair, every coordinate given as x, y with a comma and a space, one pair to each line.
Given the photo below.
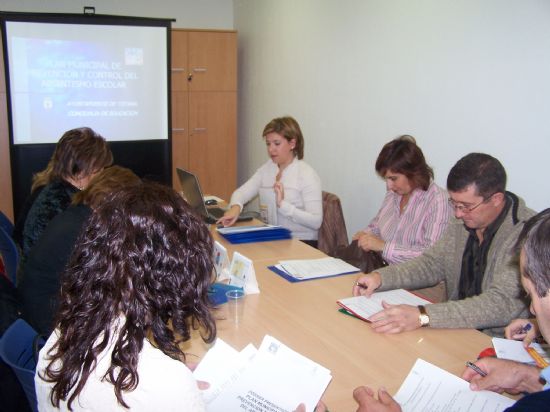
145, 262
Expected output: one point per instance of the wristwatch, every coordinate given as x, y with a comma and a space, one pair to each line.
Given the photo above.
423, 318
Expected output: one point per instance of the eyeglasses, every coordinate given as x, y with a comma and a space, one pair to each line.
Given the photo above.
467, 209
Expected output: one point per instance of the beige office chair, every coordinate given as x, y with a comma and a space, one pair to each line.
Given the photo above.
332, 233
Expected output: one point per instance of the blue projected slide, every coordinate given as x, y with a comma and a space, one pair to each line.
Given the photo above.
111, 78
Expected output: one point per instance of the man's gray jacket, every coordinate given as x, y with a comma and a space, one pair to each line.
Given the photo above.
502, 298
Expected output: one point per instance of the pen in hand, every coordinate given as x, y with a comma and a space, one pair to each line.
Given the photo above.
360, 285
526, 328
476, 368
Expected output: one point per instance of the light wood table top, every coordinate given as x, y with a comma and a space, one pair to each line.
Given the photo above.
305, 317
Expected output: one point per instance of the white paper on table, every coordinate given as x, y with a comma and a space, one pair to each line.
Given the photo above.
429, 388
221, 262
364, 307
268, 205
277, 379
242, 274
514, 350
314, 268
221, 367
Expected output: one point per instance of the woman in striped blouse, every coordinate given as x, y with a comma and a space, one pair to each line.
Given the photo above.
415, 211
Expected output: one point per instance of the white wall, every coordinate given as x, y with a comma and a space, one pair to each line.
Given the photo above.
460, 76
199, 14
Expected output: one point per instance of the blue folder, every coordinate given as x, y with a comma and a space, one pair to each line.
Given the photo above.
260, 234
292, 279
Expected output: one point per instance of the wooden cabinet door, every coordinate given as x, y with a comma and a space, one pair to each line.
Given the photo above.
180, 134
213, 141
179, 60
212, 61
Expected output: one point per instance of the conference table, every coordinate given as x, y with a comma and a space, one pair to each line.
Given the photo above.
305, 317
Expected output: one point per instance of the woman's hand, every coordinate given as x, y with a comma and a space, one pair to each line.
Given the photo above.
279, 192
202, 385
230, 216
368, 241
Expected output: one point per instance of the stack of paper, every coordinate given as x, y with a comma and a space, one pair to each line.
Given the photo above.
300, 269
429, 388
514, 350
248, 234
272, 378
364, 307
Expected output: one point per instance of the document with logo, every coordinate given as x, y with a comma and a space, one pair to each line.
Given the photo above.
364, 307
276, 378
429, 388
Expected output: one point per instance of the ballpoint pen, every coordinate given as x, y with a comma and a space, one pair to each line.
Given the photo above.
526, 328
360, 285
476, 368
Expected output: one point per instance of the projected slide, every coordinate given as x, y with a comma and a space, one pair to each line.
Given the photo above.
111, 78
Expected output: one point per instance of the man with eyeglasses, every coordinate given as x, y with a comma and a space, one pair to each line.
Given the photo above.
474, 257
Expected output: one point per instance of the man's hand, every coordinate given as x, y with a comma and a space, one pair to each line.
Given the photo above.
395, 318
515, 330
503, 376
367, 284
364, 396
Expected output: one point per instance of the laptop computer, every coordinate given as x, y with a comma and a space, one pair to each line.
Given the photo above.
193, 195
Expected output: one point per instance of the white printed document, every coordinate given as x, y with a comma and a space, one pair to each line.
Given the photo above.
316, 268
364, 307
429, 388
275, 378
221, 367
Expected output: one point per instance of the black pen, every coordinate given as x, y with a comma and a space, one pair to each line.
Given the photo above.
361, 285
476, 368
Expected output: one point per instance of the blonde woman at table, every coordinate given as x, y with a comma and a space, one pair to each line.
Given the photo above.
289, 188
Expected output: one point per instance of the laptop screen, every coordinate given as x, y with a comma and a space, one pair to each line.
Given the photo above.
191, 190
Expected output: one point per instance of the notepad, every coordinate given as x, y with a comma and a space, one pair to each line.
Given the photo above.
514, 350
364, 307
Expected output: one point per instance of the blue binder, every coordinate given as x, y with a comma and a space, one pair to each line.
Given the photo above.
249, 234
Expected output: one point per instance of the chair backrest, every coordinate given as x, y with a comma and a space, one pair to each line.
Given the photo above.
17, 349
6, 224
332, 233
10, 255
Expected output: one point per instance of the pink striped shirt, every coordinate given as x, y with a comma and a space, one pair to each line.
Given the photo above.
422, 223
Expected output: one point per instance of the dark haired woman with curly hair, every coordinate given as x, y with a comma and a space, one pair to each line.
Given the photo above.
135, 287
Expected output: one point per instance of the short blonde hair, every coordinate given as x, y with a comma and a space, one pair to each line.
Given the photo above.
289, 128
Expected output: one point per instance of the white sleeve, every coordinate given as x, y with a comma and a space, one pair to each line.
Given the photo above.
312, 214
248, 190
